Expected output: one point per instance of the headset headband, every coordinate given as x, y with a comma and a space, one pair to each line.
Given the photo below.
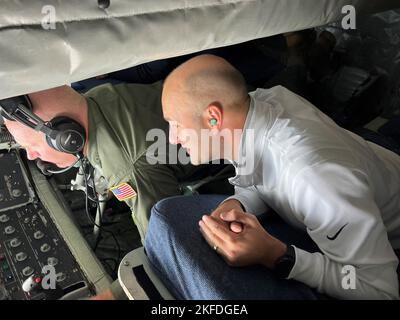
20, 109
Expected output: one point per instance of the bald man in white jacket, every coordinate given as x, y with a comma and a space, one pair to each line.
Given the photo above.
343, 191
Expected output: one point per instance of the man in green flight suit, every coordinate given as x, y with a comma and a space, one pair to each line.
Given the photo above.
120, 117
116, 120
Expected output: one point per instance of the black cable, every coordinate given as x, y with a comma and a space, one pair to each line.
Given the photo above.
97, 205
100, 230
104, 260
115, 268
83, 226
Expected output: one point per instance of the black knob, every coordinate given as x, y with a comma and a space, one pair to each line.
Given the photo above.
103, 4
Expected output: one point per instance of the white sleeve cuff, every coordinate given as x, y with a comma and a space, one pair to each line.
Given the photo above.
306, 267
250, 204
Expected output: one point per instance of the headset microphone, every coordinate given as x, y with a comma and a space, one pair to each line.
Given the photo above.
48, 168
43, 167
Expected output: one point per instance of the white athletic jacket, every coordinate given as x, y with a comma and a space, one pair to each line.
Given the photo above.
344, 191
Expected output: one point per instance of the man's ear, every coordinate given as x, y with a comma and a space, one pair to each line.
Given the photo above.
213, 116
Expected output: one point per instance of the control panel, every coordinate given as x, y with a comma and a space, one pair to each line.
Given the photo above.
30, 244
14, 191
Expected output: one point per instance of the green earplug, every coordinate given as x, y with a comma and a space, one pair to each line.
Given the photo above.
213, 122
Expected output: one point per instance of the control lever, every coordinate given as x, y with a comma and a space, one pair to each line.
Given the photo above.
30, 284
33, 286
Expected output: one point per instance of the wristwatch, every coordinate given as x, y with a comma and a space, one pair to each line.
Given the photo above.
284, 265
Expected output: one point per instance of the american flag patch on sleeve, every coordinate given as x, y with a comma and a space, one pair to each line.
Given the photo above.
123, 191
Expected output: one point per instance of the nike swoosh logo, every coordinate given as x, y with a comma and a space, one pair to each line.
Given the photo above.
337, 233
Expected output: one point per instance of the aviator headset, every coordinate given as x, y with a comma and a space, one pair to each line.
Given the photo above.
62, 133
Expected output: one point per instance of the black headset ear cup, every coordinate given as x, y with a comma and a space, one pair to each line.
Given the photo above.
70, 135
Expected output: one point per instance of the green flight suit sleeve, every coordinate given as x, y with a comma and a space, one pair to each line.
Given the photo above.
151, 183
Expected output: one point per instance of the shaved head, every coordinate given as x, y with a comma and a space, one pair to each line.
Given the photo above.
60, 101
202, 81
204, 93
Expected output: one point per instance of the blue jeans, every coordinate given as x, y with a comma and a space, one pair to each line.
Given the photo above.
190, 269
